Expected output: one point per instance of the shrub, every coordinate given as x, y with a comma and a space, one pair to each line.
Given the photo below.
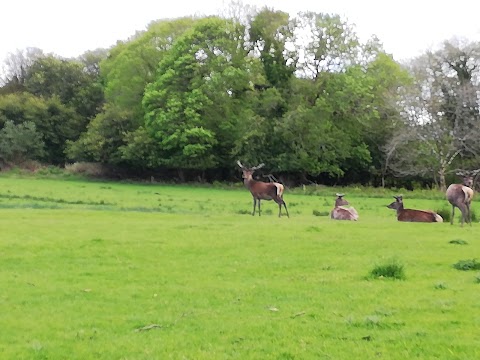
445, 213
320, 213
458, 242
477, 279
466, 265
391, 269
22, 142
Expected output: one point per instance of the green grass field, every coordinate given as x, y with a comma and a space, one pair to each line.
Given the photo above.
101, 270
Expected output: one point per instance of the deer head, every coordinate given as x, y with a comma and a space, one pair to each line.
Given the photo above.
340, 200
396, 204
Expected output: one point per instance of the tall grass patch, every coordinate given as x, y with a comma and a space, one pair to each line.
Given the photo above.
390, 269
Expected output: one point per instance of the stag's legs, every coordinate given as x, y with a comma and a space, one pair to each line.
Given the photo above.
453, 214
285, 208
280, 202
255, 205
465, 209
469, 215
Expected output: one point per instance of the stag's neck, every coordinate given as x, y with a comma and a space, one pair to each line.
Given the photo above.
249, 182
400, 209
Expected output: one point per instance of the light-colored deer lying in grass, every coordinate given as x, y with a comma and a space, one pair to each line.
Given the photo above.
340, 212
461, 195
413, 215
262, 190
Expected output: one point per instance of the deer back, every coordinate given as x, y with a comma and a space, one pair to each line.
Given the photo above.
459, 194
418, 216
264, 191
341, 213
412, 215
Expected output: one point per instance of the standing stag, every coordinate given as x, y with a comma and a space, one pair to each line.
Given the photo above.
413, 215
340, 212
261, 190
460, 195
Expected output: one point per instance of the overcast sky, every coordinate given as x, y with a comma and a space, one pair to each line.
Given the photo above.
68, 29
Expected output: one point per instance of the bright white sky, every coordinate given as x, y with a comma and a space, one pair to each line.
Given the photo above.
68, 29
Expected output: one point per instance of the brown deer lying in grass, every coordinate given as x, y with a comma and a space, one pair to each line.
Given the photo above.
340, 212
261, 190
461, 195
413, 215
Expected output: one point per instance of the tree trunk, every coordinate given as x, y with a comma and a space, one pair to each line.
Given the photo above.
443, 185
181, 175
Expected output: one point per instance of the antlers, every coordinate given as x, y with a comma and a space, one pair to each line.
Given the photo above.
465, 173
253, 168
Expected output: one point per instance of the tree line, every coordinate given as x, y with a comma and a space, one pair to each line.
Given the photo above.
189, 97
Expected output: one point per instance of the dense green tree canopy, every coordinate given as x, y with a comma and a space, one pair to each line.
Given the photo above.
302, 94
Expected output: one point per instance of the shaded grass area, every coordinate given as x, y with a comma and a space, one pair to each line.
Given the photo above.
205, 282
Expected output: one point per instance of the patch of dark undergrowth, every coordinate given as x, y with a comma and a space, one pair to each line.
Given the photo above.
391, 269
466, 265
320, 213
458, 242
446, 214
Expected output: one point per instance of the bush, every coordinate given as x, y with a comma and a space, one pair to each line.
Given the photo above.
320, 213
466, 265
477, 279
22, 142
391, 269
458, 242
445, 213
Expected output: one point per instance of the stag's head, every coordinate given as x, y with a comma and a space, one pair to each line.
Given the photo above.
397, 204
468, 177
340, 200
247, 173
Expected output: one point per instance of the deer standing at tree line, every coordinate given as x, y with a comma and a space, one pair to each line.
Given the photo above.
262, 190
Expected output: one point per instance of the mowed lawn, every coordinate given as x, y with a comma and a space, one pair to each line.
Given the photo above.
100, 270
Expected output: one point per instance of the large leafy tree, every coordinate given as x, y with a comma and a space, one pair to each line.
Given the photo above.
441, 113
126, 71
68, 81
15, 69
55, 122
19, 143
271, 33
324, 43
192, 107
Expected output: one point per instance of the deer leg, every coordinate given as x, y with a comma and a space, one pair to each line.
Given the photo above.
254, 206
453, 214
469, 215
259, 214
286, 208
280, 202
463, 210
